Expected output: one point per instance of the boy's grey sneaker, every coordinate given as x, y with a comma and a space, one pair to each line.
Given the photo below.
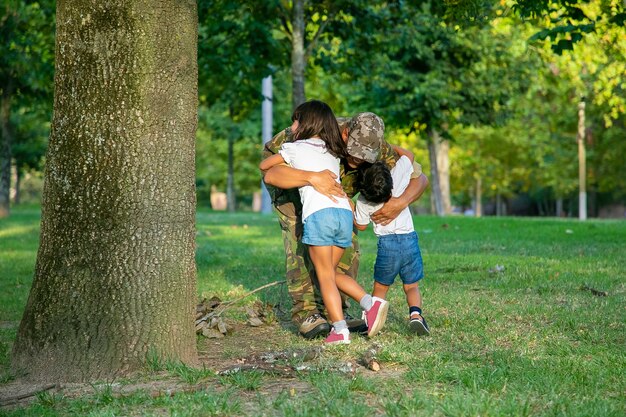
355, 325
418, 325
314, 326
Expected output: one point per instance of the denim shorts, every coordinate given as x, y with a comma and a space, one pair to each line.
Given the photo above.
398, 254
328, 227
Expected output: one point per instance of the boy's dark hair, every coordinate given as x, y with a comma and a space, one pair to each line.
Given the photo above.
374, 182
316, 118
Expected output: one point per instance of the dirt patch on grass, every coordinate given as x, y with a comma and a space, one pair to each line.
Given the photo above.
267, 349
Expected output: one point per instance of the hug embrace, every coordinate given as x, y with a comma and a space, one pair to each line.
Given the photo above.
313, 170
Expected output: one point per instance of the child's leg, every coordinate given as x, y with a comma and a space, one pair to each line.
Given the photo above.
414, 300
346, 283
323, 260
413, 296
380, 290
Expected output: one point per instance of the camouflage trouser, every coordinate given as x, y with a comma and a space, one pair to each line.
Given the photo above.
301, 279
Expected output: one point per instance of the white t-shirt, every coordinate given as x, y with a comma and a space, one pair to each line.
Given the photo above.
401, 175
311, 155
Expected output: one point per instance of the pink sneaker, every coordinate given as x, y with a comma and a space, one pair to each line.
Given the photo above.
375, 317
338, 338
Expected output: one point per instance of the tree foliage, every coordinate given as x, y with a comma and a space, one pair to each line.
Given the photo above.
568, 21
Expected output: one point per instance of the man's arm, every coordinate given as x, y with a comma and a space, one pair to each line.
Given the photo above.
324, 182
392, 208
404, 152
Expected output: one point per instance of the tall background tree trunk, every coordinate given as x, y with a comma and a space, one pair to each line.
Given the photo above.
478, 204
5, 149
559, 207
298, 60
115, 276
439, 173
230, 180
18, 186
582, 163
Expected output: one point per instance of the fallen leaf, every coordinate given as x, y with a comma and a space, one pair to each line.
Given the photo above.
255, 322
212, 333
222, 327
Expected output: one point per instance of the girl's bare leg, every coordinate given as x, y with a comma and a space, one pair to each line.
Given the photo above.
323, 260
346, 283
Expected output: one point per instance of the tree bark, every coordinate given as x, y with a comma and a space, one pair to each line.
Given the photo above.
439, 173
115, 276
5, 149
478, 207
559, 207
18, 185
230, 180
582, 163
298, 63
443, 165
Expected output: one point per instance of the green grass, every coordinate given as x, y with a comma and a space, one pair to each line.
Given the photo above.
525, 341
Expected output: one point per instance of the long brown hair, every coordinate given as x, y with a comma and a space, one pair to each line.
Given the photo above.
316, 118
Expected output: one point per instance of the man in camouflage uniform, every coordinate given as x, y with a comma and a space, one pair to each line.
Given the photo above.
364, 134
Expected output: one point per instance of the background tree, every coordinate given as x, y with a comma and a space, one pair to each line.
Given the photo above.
309, 25
568, 21
236, 50
30, 134
426, 72
242, 42
115, 272
588, 37
26, 39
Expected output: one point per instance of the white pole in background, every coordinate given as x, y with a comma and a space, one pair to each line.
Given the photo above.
266, 133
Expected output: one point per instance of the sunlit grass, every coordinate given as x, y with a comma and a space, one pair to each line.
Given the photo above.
514, 331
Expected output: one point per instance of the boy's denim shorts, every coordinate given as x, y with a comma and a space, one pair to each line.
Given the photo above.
328, 227
398, 254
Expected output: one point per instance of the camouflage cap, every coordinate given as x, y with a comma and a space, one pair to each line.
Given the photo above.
343, 122
366, 134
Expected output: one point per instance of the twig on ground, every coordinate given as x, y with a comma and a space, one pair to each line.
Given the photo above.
222, 307
369, 358
15, 398
262, 367
594, 291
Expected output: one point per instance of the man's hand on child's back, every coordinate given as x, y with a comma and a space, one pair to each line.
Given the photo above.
389, 211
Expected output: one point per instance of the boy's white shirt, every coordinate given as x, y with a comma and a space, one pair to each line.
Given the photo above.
311, 155
401, 175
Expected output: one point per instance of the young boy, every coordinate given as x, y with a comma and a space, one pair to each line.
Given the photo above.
398, 248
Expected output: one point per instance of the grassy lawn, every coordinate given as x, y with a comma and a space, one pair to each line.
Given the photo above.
514, 331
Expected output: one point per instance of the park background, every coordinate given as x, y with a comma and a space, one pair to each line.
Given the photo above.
487, 94
527, 314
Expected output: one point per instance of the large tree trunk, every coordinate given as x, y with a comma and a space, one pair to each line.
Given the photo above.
298, 63
439, 173
115, 272
5, 149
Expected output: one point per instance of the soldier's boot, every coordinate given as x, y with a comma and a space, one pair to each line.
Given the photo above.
314, 326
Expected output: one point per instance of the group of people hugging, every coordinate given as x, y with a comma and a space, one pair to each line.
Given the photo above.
313, 170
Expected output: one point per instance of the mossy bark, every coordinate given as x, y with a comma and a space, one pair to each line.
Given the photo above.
115, 276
